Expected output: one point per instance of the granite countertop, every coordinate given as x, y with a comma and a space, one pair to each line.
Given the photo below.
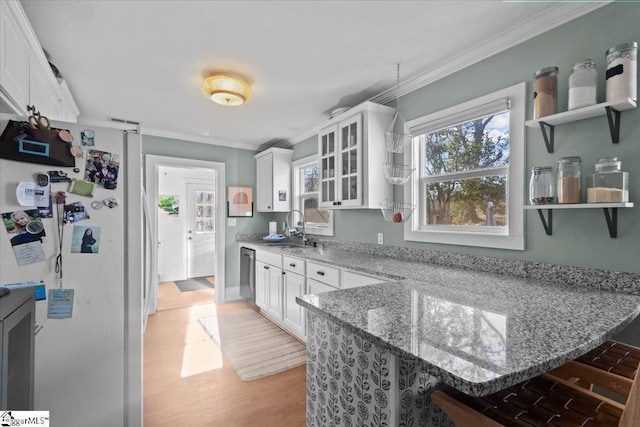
477, 331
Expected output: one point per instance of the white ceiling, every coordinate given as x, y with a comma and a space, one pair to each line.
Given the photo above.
145, 60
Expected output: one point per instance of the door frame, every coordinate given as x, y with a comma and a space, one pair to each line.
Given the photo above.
152, 166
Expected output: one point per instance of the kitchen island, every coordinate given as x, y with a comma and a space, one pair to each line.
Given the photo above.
376, 353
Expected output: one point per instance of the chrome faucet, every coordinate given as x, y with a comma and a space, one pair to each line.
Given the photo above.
287, 228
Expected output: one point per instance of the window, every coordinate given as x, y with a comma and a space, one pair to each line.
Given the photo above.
305, 197
469, 180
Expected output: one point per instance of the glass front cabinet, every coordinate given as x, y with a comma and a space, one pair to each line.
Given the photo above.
352, 153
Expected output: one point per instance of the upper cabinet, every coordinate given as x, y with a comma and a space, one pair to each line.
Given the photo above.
273, 176
25, 75
352, 152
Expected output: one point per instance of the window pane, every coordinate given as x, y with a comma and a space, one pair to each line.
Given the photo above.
310, 179
312, 214
354, 134
468, 202
476, 144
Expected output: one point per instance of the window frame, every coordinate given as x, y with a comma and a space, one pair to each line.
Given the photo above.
509, 237
297, 198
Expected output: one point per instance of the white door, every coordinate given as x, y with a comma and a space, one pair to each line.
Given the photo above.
201, 236
294, 314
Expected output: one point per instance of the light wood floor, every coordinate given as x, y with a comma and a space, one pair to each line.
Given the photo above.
187, 382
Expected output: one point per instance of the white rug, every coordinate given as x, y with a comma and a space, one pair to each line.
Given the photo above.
254, 346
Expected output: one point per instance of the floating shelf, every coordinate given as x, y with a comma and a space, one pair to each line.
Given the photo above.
610, 213
610, 109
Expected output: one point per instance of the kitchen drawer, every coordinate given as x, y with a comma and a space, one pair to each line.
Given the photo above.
295, 265
269, 258
324, 273
352, 279
315, 287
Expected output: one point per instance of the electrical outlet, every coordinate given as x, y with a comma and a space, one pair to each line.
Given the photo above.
231, 222
380, 238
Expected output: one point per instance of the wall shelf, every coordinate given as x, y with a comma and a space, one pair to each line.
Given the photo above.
610, 213
610, 109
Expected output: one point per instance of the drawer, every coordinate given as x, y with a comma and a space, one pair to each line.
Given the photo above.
315, 287
295, 265
269, 258
352, 279
324, 273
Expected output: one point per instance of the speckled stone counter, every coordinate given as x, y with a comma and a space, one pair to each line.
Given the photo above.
476, 330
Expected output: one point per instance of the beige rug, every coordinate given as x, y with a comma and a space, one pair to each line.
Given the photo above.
254, 346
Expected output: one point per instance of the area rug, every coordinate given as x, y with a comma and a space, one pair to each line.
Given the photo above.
193, 284
254, 346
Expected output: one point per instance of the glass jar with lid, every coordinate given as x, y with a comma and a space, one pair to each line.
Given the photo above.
582, 84
608, 184
545, 92
542, 186
569, 175
622, 71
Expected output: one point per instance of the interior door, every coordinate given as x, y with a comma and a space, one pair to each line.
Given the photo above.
201, 236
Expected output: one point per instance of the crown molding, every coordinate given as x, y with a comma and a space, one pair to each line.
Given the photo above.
540, 23
196, 138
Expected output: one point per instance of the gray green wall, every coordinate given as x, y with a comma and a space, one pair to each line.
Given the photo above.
580, 237
240, 170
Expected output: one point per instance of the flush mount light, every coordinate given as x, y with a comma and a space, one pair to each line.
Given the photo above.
226, 90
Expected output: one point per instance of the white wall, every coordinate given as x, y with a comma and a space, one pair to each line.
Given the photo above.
79, 362
172, 259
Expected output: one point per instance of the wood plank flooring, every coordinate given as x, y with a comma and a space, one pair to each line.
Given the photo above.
188, 382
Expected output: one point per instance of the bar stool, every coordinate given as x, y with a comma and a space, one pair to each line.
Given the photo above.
551, 399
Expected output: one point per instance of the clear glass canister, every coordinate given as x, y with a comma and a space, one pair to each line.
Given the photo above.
582, 84
542, 186
545, 92
608, 184
569, 179
622, 71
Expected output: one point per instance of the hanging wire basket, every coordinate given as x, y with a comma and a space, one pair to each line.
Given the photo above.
396, 142
396, 211
397, 173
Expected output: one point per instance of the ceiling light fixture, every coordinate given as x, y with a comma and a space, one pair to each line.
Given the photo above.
226, 90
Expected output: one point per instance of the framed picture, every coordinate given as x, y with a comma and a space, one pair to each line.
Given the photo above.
239, 201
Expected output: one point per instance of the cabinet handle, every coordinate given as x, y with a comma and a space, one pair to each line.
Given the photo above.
335, 203
292, 265
284, 272
266, 267
320, 273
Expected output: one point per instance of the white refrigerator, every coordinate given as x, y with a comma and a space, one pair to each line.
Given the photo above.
87, 366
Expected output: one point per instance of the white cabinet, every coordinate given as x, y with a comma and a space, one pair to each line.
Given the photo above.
274, 293
25, 74
273, 174
262, 280
352, 152
316, 287
352, 279
294, 314
14, 62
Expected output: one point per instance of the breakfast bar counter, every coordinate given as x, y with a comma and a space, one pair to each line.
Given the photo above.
376, 353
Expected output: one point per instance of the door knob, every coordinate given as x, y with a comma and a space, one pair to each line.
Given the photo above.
190, 238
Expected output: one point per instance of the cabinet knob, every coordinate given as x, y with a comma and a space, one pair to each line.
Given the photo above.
292, 265
320, 273
284, 272
266, 267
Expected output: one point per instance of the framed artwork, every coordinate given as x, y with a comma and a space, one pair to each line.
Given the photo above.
239, 201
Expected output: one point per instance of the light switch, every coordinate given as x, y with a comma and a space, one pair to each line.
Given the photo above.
231, 222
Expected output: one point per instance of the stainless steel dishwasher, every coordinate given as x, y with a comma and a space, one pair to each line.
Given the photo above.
248, 274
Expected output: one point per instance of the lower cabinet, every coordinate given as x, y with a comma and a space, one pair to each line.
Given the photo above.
262, 279
294, 314
274, 293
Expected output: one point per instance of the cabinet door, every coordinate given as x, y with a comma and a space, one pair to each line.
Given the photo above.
350, 161
294, 314
315, 287
264, 185
262, 280
14, 60
327, 147
274, 296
